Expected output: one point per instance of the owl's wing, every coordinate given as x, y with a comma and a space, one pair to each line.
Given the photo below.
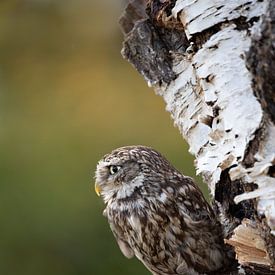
190, 197
122, 243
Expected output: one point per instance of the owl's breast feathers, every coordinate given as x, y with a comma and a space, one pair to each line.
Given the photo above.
173, 231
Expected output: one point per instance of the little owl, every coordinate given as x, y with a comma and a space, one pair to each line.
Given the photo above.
157, 214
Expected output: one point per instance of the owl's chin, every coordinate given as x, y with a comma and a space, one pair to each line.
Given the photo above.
109, 195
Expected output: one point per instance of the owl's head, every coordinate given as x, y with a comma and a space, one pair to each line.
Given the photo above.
128, 170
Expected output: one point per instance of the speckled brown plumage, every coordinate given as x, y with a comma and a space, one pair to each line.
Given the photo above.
157, 214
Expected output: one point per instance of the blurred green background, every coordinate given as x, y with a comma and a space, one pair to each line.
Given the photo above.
66, 98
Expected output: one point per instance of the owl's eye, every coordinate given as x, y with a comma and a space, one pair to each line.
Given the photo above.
114, 169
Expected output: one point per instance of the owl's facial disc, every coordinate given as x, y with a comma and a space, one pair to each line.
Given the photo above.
114, 177
113, 169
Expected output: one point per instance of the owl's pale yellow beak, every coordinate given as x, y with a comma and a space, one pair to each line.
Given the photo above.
97, 189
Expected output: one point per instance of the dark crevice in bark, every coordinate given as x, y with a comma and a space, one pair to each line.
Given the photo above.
226, 190
271, 171
253, 147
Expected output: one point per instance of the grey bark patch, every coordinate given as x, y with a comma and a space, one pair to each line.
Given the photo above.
150, 46
148, 53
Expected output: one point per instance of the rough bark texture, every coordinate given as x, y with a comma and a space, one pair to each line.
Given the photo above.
213, 62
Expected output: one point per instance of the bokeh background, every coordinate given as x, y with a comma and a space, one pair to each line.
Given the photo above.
66, 98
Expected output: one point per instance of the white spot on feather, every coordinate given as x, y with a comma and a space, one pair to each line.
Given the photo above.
163, 197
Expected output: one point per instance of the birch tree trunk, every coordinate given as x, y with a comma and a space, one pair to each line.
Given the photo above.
213, 62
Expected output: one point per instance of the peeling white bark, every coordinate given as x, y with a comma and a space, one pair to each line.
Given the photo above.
198, 15
212, 100
190, 97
